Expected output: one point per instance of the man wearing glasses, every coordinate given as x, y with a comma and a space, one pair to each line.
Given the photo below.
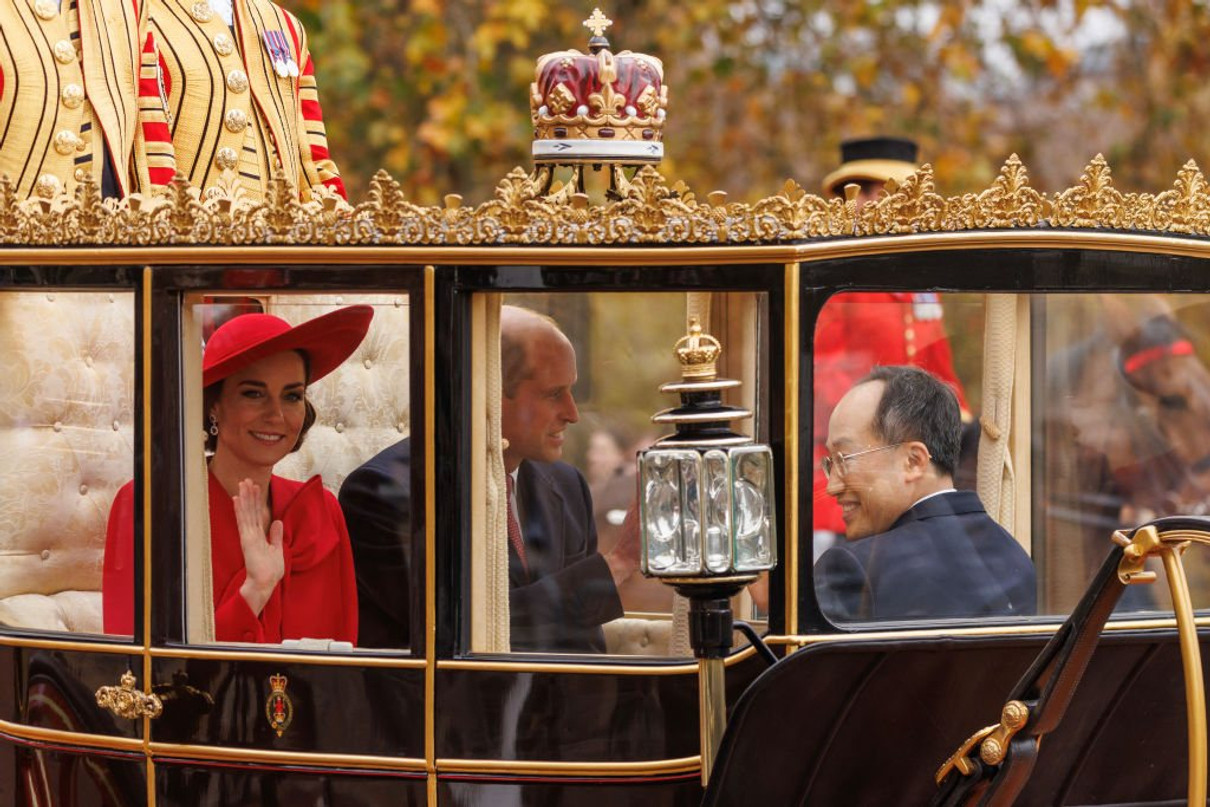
915, 547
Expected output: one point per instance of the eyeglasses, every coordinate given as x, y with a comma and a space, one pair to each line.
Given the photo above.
838, 463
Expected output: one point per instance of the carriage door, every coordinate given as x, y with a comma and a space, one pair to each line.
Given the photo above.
69, 379
289, 704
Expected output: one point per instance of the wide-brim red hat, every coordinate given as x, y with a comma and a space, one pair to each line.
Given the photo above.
327, 340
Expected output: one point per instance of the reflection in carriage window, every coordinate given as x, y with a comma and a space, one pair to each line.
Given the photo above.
1128, 431
1080, 415
288, 400
67, 361
579, 378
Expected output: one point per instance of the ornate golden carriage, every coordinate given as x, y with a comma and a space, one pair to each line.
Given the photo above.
106, 305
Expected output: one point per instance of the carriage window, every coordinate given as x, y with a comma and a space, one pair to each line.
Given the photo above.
555, 530
995, 445
67, 362
299, 529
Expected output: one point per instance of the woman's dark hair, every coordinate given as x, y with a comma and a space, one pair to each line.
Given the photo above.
916, 405
210, 397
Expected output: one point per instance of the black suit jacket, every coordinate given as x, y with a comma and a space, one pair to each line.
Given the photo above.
560, 603
377, 503
945, 557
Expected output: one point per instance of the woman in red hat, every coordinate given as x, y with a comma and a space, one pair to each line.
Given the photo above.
282, 564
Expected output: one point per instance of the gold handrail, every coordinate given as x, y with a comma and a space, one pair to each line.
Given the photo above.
1169, 546
1056, 673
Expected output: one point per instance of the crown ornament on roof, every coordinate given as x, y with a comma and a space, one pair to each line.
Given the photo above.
598, 107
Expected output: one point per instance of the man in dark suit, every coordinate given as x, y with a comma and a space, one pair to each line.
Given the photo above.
561, 588
915, 547
377, 503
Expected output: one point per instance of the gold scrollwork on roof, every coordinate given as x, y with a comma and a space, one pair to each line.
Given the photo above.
646, 209
1092, 203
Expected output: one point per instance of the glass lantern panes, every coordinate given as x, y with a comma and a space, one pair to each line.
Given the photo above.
707, 512
752, 493
670, 512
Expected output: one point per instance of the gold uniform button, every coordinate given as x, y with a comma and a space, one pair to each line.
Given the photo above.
48, 186
80, 174
46, 9
72, 95
223, 45
201, 12
65, 52
67, 141
237, 80
236, 120
909, 334
225, 158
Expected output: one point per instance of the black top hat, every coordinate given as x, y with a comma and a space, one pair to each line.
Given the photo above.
873, 159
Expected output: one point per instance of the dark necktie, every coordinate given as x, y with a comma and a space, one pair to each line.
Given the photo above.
514, 526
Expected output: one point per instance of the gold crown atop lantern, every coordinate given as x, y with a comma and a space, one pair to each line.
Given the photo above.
598, 107
698, 352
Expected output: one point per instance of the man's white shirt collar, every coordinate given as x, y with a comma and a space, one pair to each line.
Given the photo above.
931, 495
513, 499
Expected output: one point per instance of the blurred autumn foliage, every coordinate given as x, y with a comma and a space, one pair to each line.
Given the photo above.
764, 90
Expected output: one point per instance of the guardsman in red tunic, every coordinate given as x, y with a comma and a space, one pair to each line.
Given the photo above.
78, 98
240, 94
858, 330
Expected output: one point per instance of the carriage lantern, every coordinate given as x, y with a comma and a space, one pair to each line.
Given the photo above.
706, 512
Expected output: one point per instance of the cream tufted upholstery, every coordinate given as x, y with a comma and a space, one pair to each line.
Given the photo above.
66, 435
363, 406
639, 636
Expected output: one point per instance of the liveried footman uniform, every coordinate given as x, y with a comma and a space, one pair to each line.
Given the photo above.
240, 93
78, 98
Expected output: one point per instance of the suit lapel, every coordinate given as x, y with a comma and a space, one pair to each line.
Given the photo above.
541, 519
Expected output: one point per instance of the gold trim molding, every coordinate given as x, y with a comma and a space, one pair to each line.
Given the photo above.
597, 769
652, 210
216, 753
1040, 629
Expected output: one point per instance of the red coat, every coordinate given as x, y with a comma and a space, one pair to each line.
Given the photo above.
317, 597
855, 332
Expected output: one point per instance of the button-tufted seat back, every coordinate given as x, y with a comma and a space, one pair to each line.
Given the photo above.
364, 405
66, 445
